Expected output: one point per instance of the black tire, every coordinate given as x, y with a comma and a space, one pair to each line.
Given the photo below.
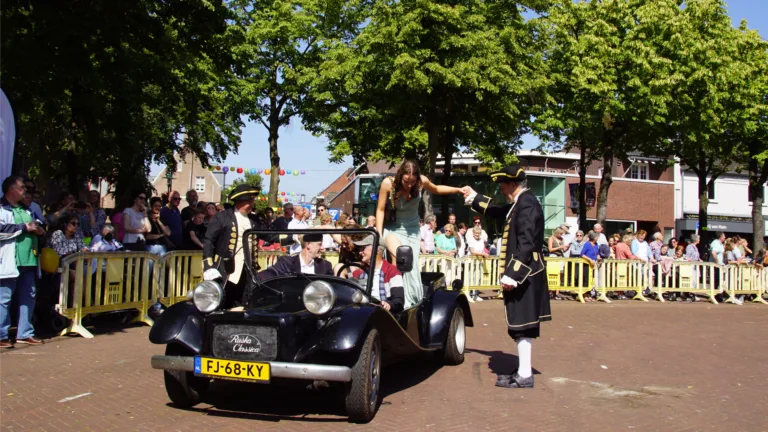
184, 389
363, 393
455, 343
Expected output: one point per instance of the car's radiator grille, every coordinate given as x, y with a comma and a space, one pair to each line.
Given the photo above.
244, 342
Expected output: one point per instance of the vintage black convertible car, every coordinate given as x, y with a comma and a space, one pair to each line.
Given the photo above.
327, 329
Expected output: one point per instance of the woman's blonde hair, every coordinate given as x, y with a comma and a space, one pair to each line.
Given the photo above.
326, 218
451, 228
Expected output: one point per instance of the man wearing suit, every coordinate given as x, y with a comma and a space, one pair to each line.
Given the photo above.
523, 280
223, 253
307, 261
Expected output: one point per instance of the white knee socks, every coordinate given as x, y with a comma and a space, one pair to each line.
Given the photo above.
524, 354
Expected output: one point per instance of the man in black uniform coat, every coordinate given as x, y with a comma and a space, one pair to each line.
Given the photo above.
523, 279
223, 255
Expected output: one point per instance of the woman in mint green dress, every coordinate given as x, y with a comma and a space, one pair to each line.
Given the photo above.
397, 219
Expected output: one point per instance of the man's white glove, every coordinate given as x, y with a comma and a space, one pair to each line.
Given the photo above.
468, 199
211, 274
508, 281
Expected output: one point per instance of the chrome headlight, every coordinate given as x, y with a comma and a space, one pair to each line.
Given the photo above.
318, 297
208, 296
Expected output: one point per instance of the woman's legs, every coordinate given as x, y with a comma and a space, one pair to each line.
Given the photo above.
392, 242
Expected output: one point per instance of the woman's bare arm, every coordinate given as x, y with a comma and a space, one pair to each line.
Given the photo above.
438, 189
381, 204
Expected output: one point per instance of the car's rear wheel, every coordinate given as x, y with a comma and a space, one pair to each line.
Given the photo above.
184, 389
453, 353
363, 392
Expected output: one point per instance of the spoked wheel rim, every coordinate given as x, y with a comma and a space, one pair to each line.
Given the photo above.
374, 371
460, 332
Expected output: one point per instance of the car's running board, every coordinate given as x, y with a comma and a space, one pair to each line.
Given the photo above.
278, 369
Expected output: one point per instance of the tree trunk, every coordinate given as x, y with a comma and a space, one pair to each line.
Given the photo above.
583, 188
448, 149
72, 174
274, 159
274, 156
433, 139
607, 179
758, 174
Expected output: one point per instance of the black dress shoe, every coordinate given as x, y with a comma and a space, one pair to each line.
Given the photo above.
516, 381
503, 380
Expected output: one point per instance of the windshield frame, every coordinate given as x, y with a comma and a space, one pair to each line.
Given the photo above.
260, 233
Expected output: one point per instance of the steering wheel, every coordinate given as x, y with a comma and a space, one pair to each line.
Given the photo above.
348, 265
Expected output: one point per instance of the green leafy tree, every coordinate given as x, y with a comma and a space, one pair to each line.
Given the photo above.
751, 122
709, 78
609, 88
102, 89
278, 51
429, 77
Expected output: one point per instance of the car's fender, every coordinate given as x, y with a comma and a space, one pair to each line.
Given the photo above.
181, 323
345, 330
439, 312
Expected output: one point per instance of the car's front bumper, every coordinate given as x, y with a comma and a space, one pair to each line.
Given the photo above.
278, 369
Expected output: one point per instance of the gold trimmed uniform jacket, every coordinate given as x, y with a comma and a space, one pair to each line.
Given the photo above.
521, 260
220, 242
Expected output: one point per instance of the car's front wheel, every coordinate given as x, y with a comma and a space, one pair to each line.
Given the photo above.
184, 389
362, 395
453, 353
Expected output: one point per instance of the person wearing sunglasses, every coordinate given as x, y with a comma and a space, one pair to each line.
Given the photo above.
136, 223
171, 217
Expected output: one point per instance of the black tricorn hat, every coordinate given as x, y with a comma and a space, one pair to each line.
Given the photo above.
511, 173
244, 192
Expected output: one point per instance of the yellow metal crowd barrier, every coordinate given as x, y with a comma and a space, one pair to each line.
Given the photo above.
181, 272
702, 278
570, 274
623, 276
105, 282
114, 281
743, 279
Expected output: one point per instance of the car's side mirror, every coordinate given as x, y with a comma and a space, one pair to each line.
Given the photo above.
457, 284
404, 259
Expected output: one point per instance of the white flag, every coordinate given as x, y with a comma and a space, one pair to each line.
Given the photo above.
7, 136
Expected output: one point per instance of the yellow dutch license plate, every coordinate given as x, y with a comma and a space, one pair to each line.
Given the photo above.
249, 371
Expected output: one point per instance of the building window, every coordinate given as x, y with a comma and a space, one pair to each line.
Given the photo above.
711, 191
200, 184
639, 171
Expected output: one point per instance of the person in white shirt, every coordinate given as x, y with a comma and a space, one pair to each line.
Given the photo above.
299, 222
567, 238
601, 239
476, 223
428, 235
104, 242
476, 247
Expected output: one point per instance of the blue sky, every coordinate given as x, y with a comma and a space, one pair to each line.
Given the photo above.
300, 150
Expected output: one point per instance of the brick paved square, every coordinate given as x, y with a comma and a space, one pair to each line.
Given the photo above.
624, 366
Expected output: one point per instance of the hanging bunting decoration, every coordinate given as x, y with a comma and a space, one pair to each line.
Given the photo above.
295, 172
303, 172
266, 171
282, 172
239, 170
288, 172
211, 168
225, 170
253, 171
218, 167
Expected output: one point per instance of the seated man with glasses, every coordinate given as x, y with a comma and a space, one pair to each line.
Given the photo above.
387, 279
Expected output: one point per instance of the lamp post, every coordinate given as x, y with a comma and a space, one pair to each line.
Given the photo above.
169, 179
